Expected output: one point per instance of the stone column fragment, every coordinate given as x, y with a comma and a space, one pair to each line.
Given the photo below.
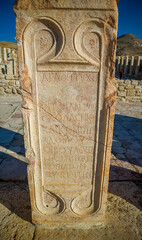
126, 65
137, 66
8, 50
4, 54
131, 66
121, 63
118, 64
0, 54
13, 59
67, 59
10, 68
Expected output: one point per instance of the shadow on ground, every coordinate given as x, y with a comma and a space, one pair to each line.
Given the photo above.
11, 140
12, 165
126, 148
127, 140
124, 77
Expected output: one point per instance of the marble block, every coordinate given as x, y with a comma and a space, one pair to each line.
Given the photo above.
66, 55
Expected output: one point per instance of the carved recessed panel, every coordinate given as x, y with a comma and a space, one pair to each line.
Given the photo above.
68, 102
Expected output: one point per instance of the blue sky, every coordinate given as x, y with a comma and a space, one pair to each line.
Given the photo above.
130, 19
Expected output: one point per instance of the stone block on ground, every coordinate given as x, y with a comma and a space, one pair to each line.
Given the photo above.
67, 72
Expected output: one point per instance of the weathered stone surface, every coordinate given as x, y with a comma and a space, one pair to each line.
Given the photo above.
129, 87
2, 91
50, 4
121, 88
129, 90
121, 94
128, 82
69, 90
14, 90
19, 91
8, 90
135, 82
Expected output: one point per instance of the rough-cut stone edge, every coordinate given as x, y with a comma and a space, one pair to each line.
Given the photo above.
56, 4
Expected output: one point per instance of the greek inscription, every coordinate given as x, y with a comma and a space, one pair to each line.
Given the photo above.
67, 138
66, 166
76, 129
69, 174
70, 106
79, 117
72, 117
69, 150
72, 77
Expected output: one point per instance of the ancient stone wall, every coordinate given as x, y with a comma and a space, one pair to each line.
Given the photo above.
130, 65
9, 74
129, 90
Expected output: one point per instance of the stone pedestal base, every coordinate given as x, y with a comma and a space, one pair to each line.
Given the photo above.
67, 58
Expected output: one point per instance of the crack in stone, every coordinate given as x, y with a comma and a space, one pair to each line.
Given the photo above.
74, 132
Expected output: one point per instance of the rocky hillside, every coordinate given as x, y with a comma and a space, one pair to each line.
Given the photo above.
8, 44
129, 44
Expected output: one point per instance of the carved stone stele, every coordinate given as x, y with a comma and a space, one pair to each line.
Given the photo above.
66, 56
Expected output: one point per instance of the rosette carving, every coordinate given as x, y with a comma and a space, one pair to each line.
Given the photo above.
87, 42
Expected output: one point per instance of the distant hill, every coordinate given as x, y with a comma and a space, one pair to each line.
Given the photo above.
129, 44
8, 45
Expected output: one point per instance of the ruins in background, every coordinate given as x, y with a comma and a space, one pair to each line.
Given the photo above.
9, 72
129, 88
130, 65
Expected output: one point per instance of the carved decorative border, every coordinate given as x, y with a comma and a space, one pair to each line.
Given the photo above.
46, 202
53, 203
